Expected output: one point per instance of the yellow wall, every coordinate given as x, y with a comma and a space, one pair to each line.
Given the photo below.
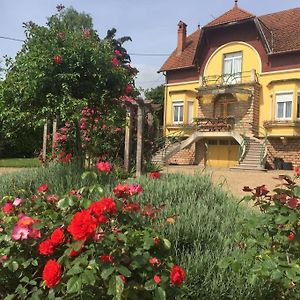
251, 59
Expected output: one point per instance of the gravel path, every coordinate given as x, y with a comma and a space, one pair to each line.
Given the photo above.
9, 170
234, 181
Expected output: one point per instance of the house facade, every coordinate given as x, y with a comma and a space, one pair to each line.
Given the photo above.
232, 92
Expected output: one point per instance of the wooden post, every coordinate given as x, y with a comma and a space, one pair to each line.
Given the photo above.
139, 146
45, 142
54, 129
128, 138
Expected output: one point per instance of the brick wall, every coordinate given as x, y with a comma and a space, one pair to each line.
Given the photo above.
184, 157
200, 151
289, 151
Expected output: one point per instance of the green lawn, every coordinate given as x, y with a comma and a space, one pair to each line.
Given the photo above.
19, 163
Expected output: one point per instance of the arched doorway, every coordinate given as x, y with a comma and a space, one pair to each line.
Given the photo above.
224, 106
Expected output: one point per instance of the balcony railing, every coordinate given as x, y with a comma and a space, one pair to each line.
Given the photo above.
228, 79
209, 124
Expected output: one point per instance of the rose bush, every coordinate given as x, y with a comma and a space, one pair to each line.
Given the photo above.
85, 245
270, 240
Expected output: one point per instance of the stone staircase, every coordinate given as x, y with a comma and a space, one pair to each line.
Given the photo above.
160, 156
252, 158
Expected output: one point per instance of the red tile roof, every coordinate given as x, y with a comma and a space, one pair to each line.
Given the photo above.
233, 15
186, 58
281, 30
284, 30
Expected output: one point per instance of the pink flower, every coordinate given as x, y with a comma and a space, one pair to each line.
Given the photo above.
117, 130
52, 198
127, 99
18, 201
25, 221
3, 258
115, 62
117, 53
135, 189
128, 89
104, 126
35, 233
104, 166
8, 207
43, 188
20, 233
86, 33
156, 279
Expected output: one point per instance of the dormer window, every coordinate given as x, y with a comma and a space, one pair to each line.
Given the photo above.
232, 68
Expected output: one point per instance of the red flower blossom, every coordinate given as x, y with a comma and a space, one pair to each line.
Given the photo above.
292, 203
115, 62
128, 89
74, 253
154, 175
156, 241
121, 190
46, 247
297, 170
177, 275
104, 166
57, 59
43, 188
134, 189
99, 208
291, 236
52, 273
35, 233
8, 208
107, 258
122, 277
82, 225
156, 279
52, 198
57, 237
117, 53
86, 33
117, 130
261, 191
154, 261
131, 207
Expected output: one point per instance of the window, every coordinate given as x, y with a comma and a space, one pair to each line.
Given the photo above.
178, 112
190, 112
232, 68
298, 106
284, 102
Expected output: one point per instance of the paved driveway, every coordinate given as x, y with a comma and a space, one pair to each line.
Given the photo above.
234, 181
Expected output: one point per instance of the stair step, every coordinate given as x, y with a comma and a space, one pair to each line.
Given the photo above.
239, 168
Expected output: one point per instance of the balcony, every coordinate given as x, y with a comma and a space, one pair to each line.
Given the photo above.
227, 83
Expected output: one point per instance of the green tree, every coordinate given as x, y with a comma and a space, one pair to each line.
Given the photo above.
62, 68
157, 95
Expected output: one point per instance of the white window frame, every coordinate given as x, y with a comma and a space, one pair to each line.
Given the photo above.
284, 118
298, 105
177, 103
232, 78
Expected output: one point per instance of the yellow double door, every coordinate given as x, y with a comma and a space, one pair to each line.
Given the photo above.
222, 153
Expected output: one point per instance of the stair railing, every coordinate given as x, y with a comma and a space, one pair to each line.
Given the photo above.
243, 148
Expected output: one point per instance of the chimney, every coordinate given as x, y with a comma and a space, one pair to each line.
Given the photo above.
181, 37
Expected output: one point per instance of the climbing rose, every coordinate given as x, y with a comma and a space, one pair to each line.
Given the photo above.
177, 275
115, 61
154, 175
156, 279
117, 53
86, 33
104, 166
57, 237
154, 261
57, 59
8, 208
43, 188
297, 170
107, 258
291, 236
122, 277
46, 247
82, 225
52, 273
128, 89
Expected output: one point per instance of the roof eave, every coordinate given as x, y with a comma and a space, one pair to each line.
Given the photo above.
174, 69
227, 24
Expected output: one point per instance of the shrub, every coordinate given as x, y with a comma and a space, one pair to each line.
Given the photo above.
270, 242
58, 247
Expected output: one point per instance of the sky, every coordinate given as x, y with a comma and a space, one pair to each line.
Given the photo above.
152, 24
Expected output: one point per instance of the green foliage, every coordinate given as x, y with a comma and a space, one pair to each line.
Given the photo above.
157, 94
270, 242
20, 163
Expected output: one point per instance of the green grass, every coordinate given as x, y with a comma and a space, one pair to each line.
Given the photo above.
206, 217
19, 163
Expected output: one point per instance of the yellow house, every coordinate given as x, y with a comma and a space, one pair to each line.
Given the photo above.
232, 92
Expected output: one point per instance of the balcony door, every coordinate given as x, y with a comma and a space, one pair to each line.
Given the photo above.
232, 68
224, 106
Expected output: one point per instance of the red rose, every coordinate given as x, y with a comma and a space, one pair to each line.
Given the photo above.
107, 258
115, 61
74, 253
104, 166
52, 273
128, 89
52, 198
131, 207
82, 225
177, 275
43, 188
292, 203
117, 53
291, 236
156, 279
99, 208
154, 261
154, 175
46, 247
261, 191
122, 277
57, 237
121, 190
8, 208
297, 170
57, 59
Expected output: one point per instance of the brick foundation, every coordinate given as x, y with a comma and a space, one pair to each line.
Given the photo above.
184, 157
288, 150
